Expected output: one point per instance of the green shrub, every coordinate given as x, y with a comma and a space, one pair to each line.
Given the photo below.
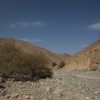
17, 64
61, 64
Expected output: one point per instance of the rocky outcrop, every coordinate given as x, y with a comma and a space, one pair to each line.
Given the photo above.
87, 59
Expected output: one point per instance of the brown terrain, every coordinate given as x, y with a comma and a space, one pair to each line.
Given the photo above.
80, 84
35, 50
87, 59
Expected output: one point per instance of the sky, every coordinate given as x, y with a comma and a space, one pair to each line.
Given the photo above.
62, 26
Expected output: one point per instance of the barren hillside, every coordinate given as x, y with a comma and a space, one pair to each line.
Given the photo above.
89, 58
64, 85
29, 48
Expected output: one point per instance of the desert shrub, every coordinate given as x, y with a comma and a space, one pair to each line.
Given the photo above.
42, 72
39, 68
92, 68
61, 64
10, 57
54, 64
14, 63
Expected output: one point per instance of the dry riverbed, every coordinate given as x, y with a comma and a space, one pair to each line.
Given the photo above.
73, 85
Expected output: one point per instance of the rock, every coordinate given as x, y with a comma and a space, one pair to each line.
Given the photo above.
87, 98
32, 98
48, 88
97, 92
63, 86
57, 94
2, 87
14, 95
57, 91
42, 83
7, 96
67, 98
45, 99
29, 97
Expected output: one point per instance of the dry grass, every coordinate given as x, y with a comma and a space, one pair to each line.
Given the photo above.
61, 64
13, 61
54, 64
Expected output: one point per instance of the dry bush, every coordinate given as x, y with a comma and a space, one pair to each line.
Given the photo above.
61, 64
54, 64
17, 64
39, 68
10, 57
92, 68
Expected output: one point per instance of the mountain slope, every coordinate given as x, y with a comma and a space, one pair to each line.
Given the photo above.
32, 49
89, 58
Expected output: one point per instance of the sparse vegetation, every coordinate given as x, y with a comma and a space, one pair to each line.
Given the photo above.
54, 64
14, 62
61, 64
92, 68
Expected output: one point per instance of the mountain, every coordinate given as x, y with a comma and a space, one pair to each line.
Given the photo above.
89, 58
33, 49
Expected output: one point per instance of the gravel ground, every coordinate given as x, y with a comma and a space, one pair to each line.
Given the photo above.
73, 85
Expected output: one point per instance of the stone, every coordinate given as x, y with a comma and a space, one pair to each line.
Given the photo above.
45, 99
97, 92
87, 98
14, 95
57, 91
29, 97
48, 88
7, 96
42, 83
32, 98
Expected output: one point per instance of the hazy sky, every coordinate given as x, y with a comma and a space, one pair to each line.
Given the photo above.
62, 26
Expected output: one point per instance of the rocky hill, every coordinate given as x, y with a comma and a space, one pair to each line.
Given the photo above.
89, 58
64, 84
33, 49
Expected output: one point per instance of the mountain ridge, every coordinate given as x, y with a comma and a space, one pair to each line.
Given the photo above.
33, 49
87, 59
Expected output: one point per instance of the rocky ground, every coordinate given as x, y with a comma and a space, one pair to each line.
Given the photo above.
73, 85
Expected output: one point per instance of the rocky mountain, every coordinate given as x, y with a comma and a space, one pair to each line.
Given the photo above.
64, 84
89, 58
